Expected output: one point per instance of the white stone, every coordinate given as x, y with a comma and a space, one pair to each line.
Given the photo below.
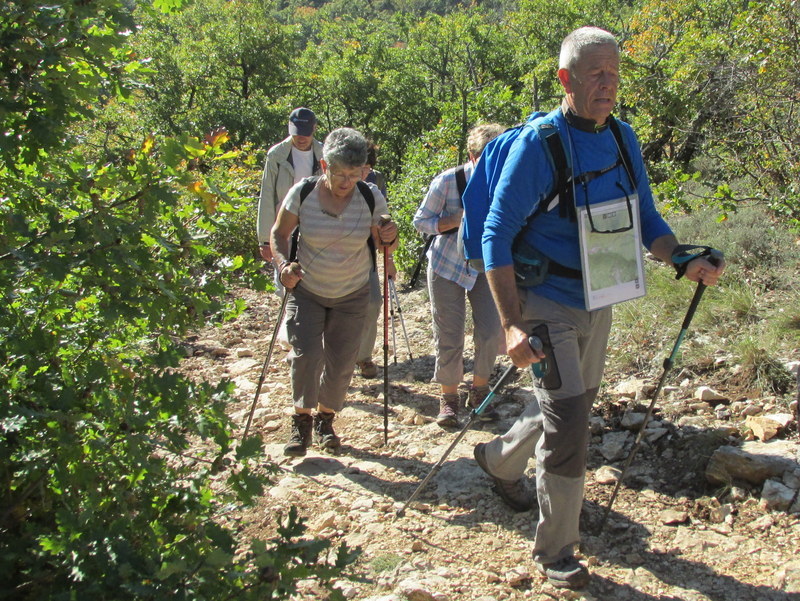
753, 462
629, 388
607, 475
653, 434
613, 446
596, 424
777, 496
751, 410
706, 393
632, 420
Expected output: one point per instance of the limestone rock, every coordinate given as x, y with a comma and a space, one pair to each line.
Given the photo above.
629, 388
763, 428
776, 496
709, 395
518, 577
607, 475
613, 446
672, 516
753, 462
632, 420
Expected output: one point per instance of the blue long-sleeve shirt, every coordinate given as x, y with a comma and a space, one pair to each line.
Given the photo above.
526, 180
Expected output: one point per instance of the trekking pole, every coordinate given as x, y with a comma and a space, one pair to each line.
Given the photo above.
535, 343
668, 363
264, 367
393, 292
384, 219
394, 334
420, 260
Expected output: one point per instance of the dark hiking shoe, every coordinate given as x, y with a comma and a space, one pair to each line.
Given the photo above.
367, 368
567, 572
323, 427
300, 439
475, 397
448, 411
515, 493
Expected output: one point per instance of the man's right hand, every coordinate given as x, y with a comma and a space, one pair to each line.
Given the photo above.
266, 252
519, 349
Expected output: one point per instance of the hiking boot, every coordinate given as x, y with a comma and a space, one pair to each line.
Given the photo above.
567, 572
515, 493
300, 439
323, 427
448, 411
475, 397
368, 368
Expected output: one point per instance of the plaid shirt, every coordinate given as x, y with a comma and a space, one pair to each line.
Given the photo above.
442, 200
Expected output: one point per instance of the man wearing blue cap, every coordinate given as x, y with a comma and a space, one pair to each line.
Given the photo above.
288, 162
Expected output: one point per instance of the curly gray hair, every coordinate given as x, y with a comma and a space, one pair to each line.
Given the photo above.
345, 147
480, 135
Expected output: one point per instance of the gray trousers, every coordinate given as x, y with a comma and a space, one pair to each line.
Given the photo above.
555, 427
370, 332
324, 334
448, 306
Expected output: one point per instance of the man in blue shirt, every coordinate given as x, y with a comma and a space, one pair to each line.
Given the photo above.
554, 428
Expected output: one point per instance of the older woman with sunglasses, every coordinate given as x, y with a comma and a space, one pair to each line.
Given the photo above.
329, 282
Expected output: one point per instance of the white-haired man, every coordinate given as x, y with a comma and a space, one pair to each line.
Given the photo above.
554, 428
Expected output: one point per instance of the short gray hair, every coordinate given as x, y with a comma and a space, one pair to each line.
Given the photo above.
575, 43
480, 135
345, 147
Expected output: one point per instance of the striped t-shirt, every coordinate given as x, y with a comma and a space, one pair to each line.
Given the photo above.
333, 250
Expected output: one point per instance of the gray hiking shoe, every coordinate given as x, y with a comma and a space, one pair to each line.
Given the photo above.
567, 572
323, 427
448, 411
300, 438
475, 397
515, 493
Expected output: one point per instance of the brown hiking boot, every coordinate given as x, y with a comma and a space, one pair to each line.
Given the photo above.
448, 411
300, 439
475, 397
367, 368
323, 427
515, 493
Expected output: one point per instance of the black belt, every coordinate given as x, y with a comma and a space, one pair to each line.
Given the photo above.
558, 269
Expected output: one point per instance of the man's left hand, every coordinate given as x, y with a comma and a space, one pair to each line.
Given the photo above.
703, 270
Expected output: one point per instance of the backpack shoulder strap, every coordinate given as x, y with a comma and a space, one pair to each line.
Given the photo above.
309, 183
616, 129
461, 182
561, 163
366, 192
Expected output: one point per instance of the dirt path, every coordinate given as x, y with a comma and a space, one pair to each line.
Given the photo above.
668, 537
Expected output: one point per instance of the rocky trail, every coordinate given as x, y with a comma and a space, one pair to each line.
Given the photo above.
672, 534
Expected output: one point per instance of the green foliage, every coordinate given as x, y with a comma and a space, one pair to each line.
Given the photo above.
217, 64
423, 162
115, 470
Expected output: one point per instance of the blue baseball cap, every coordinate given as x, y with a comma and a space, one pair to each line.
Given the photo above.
302, 122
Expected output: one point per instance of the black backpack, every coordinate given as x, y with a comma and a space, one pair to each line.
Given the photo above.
309, 184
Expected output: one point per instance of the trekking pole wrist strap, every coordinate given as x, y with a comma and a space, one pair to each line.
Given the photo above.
683, 254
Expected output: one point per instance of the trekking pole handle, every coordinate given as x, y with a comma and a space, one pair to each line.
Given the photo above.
539, 368
714, 259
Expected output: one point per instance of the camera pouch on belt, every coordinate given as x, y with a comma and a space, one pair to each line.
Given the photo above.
551, 379
530, 266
